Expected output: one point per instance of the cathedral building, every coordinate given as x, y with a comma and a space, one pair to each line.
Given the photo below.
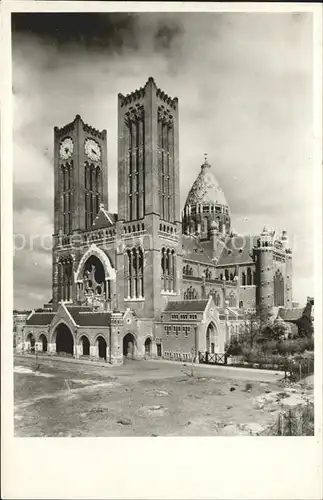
151, 280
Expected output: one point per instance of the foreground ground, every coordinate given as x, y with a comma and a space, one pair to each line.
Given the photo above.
146, 398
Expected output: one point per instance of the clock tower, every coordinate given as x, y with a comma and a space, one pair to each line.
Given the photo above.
80, 176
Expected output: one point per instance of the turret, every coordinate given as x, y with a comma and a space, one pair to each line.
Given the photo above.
265, 270
284, 238
288, 271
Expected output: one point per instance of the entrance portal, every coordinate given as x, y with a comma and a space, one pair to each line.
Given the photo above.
211, 338
85, 346
148, 347
102, 347
31, 342
43, 341
128, 345
64, 340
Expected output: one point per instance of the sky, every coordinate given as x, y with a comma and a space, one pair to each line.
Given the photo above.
244, 84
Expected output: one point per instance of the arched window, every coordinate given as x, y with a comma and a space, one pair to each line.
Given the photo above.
232, 300
168, 268
279, 292
190, 294
134, 273
86, 186
205, 225
192, 226
163, 261
226, 274
249, 276
243, 279
208, 274
65, 279
97, 180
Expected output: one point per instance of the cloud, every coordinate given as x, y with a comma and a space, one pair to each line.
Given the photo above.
244, 86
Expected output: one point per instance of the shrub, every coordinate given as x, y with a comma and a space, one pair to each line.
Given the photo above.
293, 346
269, 347
298, 421
234, 348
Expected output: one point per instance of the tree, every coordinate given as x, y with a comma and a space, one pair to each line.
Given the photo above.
276, 330
254, 325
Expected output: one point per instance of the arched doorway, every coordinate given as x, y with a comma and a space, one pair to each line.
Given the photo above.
64, 340
148, 347
84, 341
31, 342
128, 348
102, 347
43, 341
211, 338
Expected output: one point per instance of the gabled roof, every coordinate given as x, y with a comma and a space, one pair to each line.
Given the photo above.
200, 251
186, 305
85, 316
229, 251
238, 250
40, 318
104, 219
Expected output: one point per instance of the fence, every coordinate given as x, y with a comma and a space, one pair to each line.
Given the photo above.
295, 370
176, 356
212, 358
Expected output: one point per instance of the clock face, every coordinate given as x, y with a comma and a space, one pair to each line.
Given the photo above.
92, 150
66, 148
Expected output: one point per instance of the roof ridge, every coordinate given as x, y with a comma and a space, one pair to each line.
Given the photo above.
94, 312
43, 312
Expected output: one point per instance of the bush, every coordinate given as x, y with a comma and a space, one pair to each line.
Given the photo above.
269, 347
234, 348
294, 346
298, 421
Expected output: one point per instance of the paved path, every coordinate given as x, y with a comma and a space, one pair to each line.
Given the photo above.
160, 368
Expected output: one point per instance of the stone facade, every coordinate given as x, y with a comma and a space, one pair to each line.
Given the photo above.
120, 279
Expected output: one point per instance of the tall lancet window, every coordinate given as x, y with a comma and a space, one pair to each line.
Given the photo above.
135, 164
65, 279
92, 190
165, 147
134, 273
66, 182
279, 295
168, 270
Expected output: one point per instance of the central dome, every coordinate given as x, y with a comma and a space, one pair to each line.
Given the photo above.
206, 188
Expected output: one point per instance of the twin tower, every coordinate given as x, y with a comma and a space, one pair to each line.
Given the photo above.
148, 192
148, 164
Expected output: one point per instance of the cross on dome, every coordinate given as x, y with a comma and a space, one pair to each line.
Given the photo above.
206, 163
